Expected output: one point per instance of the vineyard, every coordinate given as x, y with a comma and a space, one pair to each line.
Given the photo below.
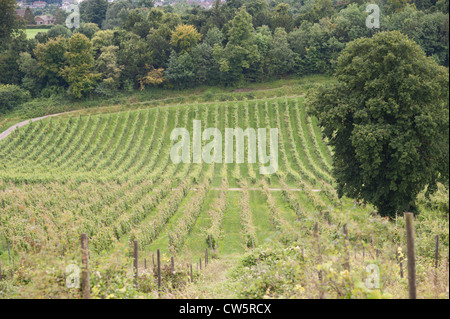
110, 176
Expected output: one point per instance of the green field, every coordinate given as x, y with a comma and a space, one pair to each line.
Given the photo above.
111, 176
31, 33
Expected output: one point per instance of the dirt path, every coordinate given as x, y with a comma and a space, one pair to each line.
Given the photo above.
23, 123
237, 189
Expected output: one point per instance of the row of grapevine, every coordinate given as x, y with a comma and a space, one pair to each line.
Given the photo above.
303, 173
216, 214
251, 171
276, 215
191, 211
145, 234
248, 229
327, 188
300, 129
316, 145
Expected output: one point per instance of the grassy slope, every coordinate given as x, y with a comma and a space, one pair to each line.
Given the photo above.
152, 97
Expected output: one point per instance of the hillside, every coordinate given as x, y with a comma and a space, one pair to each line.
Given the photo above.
111, 176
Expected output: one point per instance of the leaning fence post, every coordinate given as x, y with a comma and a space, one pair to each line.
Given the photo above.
436, 261
411, 256
85, 262
158, 260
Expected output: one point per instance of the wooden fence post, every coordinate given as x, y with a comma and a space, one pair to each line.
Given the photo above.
136, 261
158, 260
206, 257
436, 262
172, 264
0, 270
411, 255
200, 263
192, 275
85, 271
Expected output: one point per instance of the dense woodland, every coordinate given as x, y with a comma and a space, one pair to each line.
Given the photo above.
122, 46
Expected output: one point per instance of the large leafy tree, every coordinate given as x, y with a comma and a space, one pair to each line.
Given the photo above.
9, 52
206, 68
29, 16
88, 29
12, 42
58, 31
116, 13
387, 119
106, 64
134, 54
51, 59
259, 10
184, 38
282, 59
282, 17
8, 19
79, 71
60, 16
30, 68
93, 11
428, 30
240, 58
180, 70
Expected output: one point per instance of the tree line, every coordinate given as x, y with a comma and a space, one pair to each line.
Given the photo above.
126, 45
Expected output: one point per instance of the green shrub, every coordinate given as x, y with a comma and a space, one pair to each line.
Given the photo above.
12, 96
